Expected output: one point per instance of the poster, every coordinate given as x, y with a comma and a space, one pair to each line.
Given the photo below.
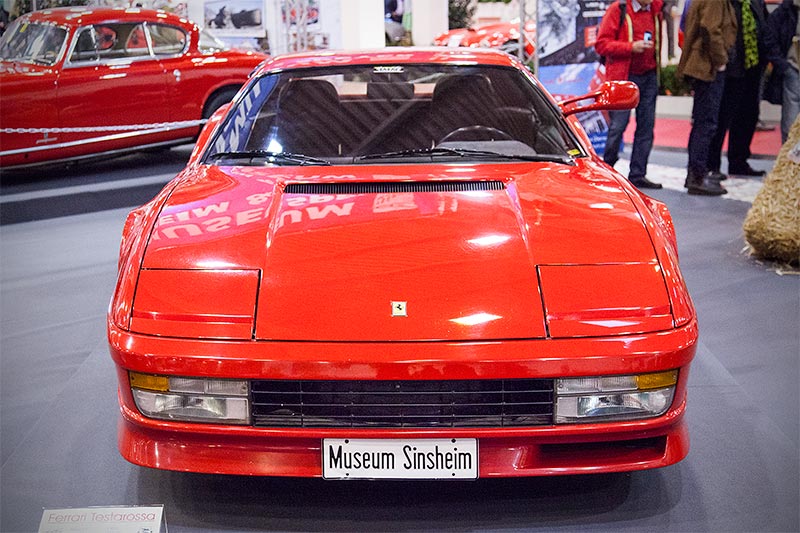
568, 63
239, 18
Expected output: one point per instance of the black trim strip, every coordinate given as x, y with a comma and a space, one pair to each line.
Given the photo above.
393, 186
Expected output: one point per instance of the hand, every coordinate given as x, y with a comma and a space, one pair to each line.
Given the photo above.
642, 46
722, 68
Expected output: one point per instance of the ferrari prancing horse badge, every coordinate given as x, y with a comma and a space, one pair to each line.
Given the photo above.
399, 309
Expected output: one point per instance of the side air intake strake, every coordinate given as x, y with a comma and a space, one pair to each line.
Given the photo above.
393, 186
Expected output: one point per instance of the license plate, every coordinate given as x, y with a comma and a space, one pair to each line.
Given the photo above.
400, 458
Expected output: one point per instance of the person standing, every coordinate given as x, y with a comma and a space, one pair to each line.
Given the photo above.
709, 34
393, 10
783, 49
741, 97
669, 9
630, 42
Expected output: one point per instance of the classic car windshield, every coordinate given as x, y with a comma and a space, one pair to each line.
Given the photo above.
392, 113
39, 43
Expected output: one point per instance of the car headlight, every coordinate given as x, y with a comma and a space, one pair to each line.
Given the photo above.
209, 304
191, 399
609, 398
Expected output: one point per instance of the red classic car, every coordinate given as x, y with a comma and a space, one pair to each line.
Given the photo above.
502, 35
401, 264
84, 81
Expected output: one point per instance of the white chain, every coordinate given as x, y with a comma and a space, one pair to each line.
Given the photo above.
126, 127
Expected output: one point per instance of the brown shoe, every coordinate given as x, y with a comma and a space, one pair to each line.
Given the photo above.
704, 186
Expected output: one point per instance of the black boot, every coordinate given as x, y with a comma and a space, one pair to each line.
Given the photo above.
703, 185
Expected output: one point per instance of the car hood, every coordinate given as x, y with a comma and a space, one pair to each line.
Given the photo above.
503, 251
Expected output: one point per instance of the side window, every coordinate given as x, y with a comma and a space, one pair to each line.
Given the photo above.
136, 41
110, 41
167, 40
85, 47
123, 41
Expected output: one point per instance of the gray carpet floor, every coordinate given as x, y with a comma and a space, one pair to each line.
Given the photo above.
58, 411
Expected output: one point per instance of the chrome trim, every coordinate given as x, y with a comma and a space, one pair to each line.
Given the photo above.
105, 138
99, 155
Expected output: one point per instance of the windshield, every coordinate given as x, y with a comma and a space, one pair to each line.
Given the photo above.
39, 43
404, 113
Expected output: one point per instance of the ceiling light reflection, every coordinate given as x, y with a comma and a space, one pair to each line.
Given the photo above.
476, 319
489, 240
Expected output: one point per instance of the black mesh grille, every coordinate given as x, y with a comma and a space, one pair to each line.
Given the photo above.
393, 186
408, 404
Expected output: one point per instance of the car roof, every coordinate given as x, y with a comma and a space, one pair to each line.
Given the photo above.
79, 16
391, 56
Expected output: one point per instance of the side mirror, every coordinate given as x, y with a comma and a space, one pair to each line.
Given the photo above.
611, 95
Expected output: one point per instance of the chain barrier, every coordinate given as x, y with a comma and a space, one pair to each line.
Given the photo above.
124, 127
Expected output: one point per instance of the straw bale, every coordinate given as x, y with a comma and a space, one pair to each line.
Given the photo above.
772, 226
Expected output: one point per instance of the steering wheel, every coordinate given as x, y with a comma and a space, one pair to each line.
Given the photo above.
477, 133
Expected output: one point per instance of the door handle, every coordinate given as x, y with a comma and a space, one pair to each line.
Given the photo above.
177, 74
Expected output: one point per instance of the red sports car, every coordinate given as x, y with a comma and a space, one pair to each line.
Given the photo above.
502, 35
84, 81
401, 264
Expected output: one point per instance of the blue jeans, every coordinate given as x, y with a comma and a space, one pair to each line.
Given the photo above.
705, 115
645, 122
791, 101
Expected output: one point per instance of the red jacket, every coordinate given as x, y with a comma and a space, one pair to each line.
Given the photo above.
615, 40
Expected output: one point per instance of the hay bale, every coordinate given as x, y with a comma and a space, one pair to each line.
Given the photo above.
772, 226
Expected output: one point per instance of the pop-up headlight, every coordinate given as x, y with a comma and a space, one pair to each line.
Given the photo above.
608, 398
210, 304
191, 399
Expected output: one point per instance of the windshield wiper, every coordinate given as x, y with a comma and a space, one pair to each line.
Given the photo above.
277, 158
465, 152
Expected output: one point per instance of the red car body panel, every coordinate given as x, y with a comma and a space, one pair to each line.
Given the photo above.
144, 91
571, 271
494, 35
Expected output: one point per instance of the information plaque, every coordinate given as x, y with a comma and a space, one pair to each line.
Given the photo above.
125, 519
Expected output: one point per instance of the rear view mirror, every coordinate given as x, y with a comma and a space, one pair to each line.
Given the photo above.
611, 95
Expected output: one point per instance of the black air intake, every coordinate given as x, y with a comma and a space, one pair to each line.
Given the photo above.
406, 404
393, 186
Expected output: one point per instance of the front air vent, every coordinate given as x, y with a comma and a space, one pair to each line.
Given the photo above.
393, 187
402, 404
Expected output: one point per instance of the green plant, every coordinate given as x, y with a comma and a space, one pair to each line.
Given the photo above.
672, 84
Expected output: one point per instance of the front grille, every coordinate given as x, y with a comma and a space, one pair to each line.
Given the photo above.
378, 187
402, 404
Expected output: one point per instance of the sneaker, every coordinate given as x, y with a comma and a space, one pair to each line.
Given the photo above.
644, 183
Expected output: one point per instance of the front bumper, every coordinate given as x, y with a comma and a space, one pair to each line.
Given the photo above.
503, 452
